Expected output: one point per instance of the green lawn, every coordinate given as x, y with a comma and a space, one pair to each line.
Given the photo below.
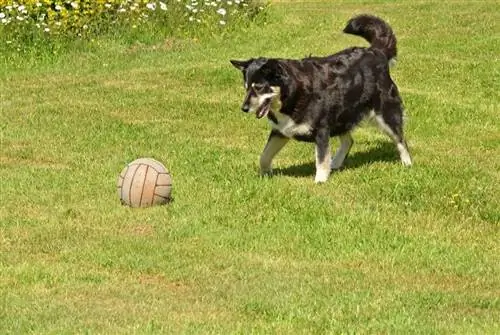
377, 249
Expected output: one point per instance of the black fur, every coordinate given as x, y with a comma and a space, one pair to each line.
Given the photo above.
334, 93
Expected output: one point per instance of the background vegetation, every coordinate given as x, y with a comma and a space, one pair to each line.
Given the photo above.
377, 249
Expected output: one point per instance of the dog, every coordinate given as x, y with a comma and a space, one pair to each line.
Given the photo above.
315, 98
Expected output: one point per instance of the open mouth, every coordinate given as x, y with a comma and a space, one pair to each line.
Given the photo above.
263, 109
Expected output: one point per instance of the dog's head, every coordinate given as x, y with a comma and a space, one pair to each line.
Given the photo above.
263, 79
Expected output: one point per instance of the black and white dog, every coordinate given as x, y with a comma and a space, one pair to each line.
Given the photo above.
315, 98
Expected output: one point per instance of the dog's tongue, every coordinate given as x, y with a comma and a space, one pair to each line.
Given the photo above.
262, 112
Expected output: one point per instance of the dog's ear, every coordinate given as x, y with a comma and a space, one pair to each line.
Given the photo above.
274, 71
241, 64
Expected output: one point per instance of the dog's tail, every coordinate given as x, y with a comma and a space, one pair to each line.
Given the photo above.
376, 31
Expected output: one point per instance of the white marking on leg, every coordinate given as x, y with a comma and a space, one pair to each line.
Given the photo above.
403, 150
342, 152
404, 154
273, 146
384, 127
322, 167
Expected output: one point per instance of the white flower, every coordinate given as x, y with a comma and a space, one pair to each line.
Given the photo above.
39, 4
21, 8
191, 18
107, 5
57, 7
195, 10
221, 11
222, 22
121, 10
46, 30
2, 15
229, 3
74, 5
4, 21
163, 6
151, 6
19, 18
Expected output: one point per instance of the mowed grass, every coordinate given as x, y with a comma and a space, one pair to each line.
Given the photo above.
378, 249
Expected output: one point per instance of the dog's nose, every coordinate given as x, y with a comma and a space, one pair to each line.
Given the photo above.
245, 108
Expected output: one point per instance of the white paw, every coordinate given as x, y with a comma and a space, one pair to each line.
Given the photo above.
266, 172
321, 176
406, 162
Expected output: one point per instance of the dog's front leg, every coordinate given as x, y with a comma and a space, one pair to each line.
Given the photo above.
274, 144
323, 155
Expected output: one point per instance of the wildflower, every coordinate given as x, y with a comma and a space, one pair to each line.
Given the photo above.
74, 5
163, 6
2, 15
4, 21
38, 4
151, 6
229, 3
107, 5
46, 30
58, 8
222, 22
21, 8
221, 11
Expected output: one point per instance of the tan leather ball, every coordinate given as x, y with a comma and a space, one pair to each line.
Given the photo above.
144, 182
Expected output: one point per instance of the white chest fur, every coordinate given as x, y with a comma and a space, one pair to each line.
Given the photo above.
288, 127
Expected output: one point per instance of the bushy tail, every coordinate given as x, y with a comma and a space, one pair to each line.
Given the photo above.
374, 30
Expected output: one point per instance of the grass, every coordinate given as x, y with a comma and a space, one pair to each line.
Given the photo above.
377, 249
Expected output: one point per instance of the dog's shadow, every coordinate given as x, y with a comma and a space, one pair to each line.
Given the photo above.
380, 151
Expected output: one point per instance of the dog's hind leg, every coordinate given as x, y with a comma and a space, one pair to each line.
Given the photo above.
323, 163
390, 121
274, 144
342, 152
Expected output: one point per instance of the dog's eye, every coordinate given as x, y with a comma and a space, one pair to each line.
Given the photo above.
258, 87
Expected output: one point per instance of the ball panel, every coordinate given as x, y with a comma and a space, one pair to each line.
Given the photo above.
148, 189
159, 167
127, 184
119, 182
137, 185
164, 179
158, 200
163, 191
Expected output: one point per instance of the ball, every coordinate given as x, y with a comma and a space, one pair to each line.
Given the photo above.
144, 182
